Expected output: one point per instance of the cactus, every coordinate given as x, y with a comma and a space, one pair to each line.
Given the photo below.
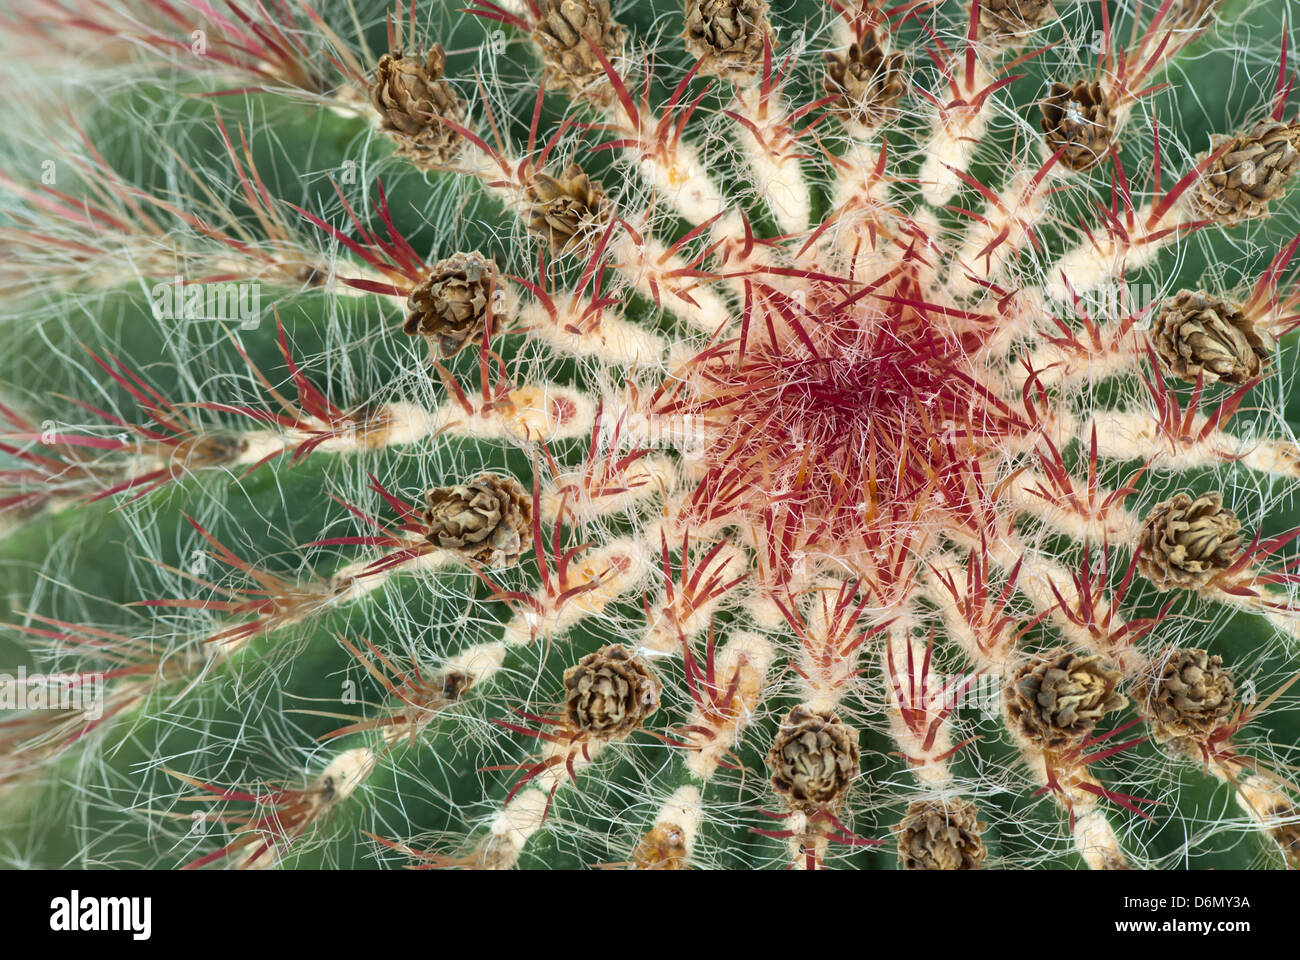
564, 433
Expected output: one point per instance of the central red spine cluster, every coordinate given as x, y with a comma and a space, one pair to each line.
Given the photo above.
840, 411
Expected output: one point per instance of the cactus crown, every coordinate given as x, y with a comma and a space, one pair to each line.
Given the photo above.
679, 434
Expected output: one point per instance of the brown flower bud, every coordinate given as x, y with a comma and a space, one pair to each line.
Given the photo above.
1188, 543
609, 693
1057, 699
452, 304
814, 758
663, 848
729, 35
569, 210
571, 64
1003, 21
454, 684
310, 275
867, 81
1079, 119
487, 520
1188, 695
412, 98
1199, 334
938, 835
1254, 169
207, 450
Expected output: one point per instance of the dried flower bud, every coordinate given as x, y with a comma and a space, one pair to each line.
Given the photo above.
454, 684
310, 275
487, 520
452, 304
1199, 334
610, 693
938, 835
568, 210
663, 848
729, 35
1057, 699
411, 97
1253, 170
1079, 119
571, 64
207, 450
814, 758
867, 81
1002, 21
1189, 696
1187, 543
